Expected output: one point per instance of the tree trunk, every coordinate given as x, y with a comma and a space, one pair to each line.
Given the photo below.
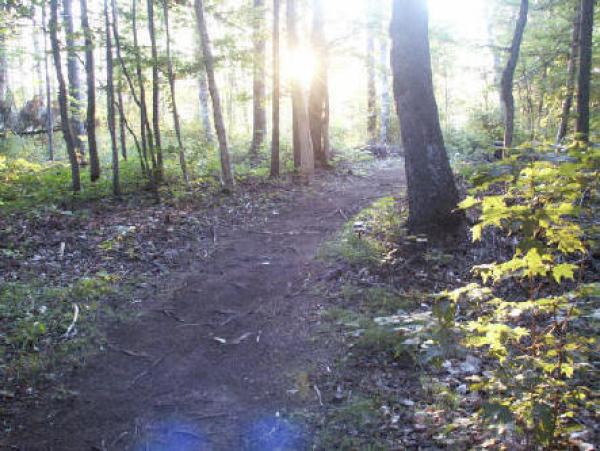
226, 171
204, 107
155, 92
171, 77
571, 73
276, 92
91, 93
146, 131
49, 113
303, 150
63, 98
371, 87
38, 62
122, 119
259, 113
432, 194
384, 61
508, 75
582, 128
75, 92
318, 102
110, 104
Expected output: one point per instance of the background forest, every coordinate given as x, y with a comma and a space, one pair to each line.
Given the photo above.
326, 224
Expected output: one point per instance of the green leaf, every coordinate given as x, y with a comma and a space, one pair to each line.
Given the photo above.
564, 271
469, 202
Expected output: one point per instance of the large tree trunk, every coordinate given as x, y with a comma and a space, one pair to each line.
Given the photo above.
171, 77
91, 93
303, 149
371, 86
259, 113
432, 194
226, 171
63, 98
571, 73
585, 70
506, 84
49, 112
75, 92
110, 103
276, 92
155, 92
203, 96
318, 101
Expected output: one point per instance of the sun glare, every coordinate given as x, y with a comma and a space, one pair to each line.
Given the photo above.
300, 65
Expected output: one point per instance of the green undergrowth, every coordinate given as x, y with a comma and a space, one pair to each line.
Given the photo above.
44, 329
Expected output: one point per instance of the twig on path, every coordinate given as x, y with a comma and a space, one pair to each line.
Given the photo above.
342, 214
128, 352
71, 331
318, 392
170, 314
146, 371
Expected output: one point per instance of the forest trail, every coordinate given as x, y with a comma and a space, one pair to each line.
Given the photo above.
170, 381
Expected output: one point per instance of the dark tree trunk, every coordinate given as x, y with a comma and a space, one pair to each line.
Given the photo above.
318, 101
49, 112
110, 103
75, 91
259, 113
276, 91
91, 93
171, 77
303, 151
432, 194
506, 84
571, 73
63, 98
155, 92
226, 171
585, 70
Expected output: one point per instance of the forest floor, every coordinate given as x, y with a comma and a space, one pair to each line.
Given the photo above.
217, 348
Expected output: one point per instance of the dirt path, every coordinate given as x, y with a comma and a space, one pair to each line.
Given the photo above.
170, 382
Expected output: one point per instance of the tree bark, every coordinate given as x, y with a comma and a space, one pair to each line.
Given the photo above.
582, 128
155, 92
226, 171
171, 77
91, 93
318, 100
259, 113
432, 194
122, 119
203, 97
508, 75
110, 103
384, 121
49, 112
371, 86
571, 73
75, 92
63, 98
303, 149
38, 62
275, 163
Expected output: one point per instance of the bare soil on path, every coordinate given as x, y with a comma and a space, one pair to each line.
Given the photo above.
211, 366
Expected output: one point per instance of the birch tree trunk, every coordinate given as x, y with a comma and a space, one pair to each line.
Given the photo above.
91, 92
203, 98
63, 98
226, 171
506, 83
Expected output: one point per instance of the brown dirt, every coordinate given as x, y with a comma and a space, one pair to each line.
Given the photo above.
166, 382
